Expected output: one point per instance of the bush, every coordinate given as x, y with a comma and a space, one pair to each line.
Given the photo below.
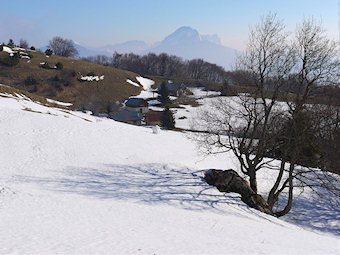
68, 84
59, 66
32, 48
30, 81
45, 65
56, 78
11, 43
91, 74
48, 52
58, 87
74, 74
34, 89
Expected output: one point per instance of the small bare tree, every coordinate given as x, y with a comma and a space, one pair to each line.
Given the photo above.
63, 47
23, 44
254, 125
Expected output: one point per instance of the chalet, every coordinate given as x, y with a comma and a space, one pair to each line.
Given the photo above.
127, 116
137, 105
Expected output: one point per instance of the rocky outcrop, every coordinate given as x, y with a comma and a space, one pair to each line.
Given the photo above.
230, 181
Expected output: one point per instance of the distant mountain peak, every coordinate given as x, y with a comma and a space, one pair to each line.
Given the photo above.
183, 34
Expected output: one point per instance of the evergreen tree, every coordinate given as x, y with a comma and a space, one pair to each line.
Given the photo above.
224, 88
11, 43
164, 93
167, 120
48, 52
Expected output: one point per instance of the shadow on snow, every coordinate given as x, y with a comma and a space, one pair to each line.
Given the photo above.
158, 183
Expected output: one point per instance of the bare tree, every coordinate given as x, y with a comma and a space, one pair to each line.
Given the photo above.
316, 64
23, 44
256, 125
63, 47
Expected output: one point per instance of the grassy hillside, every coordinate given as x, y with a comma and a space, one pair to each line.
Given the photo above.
65, 84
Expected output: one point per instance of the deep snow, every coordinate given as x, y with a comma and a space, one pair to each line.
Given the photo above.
72, 183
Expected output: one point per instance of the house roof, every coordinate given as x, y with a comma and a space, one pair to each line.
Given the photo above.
136, 102
172, 87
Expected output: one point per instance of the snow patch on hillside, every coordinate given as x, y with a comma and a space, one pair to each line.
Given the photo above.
58, 102
132, 83
77, 184
92, 78
7, 49
145, 82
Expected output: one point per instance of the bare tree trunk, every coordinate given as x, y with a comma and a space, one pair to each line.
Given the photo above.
252, 179
290, 192
272, 197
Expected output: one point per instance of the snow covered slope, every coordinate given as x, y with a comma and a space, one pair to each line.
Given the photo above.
71, 183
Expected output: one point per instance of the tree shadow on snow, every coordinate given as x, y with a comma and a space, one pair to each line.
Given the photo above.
316, 213
146, 183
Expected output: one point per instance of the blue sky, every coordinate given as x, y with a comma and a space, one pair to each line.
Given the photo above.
97, 23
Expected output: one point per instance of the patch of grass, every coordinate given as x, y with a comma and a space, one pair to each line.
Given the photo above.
113, 88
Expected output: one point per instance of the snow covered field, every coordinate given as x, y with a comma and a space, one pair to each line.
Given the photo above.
72, 183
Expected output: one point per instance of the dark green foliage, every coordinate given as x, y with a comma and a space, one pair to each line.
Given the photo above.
163, 95
58, 87
167, 119
11, 43
68, 84
91, 74
34, 89
297, 141
30, 81
56, 78
225, 88
48, 52
11, 60
59, 66
32, 48
45, 66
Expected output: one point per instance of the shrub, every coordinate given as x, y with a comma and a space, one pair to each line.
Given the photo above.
30, 81
32, 48
56, 78
59, 66
68, 84
58, 87
34, 89
91, 74
45, 65
11, 43
74, 74
48, 52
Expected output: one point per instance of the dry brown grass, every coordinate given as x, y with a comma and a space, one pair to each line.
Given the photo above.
67, 86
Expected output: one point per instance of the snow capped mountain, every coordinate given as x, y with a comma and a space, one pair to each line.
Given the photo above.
182, 35
187, 43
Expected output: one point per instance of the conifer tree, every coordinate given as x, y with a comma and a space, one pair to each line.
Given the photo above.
164, 93
167, 120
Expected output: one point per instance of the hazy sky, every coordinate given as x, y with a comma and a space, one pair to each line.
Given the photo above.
101, 22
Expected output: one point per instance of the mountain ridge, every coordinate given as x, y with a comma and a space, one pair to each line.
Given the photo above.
185, 42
